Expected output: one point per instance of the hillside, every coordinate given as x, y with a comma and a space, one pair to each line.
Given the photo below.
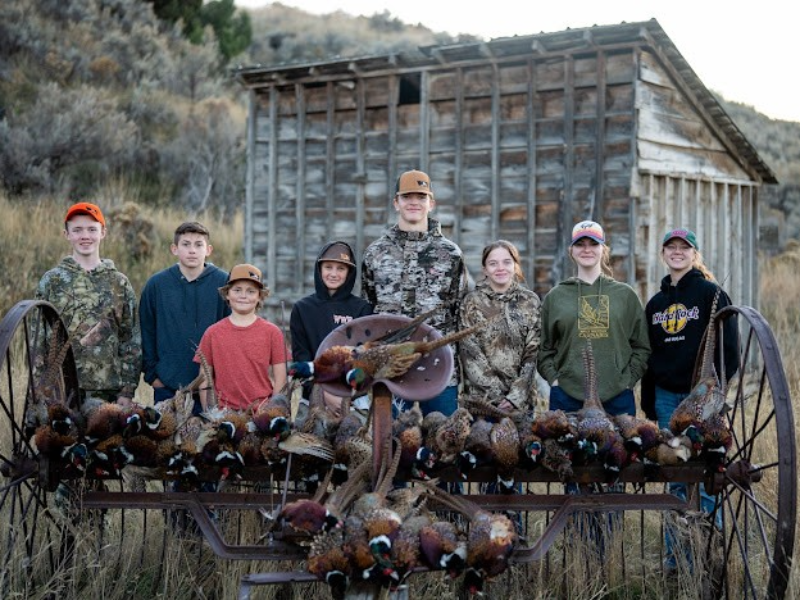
98, 98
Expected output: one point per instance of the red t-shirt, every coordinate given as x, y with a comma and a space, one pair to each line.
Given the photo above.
240, 357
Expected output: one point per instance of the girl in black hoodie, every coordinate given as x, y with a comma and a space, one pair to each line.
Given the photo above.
331, 304
677, 317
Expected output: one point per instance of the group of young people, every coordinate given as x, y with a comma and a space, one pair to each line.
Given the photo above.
194, 313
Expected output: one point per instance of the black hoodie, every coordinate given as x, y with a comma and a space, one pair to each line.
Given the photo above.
677, 317
316, 315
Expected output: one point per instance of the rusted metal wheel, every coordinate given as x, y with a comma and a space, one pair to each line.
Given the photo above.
751, 556
35, 544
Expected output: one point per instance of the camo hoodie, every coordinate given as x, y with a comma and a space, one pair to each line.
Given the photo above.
410, 272
99, 310
500, 359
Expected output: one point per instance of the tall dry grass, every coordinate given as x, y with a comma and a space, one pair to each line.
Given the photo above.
138, 239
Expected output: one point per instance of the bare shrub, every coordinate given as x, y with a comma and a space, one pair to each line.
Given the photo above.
62, 130
206, 158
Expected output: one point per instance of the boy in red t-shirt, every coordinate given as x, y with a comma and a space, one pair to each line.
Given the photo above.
243, 350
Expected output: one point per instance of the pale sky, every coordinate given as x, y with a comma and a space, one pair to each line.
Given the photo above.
746, 51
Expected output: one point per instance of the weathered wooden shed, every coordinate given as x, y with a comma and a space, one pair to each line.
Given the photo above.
522, 137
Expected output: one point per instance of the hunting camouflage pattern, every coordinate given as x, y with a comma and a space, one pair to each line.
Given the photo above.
99, 310
499, 360
411, 272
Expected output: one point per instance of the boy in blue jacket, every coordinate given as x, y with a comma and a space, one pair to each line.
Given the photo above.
177, 305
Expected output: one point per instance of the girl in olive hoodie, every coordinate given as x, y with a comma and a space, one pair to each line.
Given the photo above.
593, 307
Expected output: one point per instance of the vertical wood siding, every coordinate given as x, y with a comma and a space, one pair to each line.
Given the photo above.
517, 148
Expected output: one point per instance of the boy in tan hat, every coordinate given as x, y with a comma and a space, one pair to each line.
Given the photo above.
331, 304
98, 305
246, 353
412, 268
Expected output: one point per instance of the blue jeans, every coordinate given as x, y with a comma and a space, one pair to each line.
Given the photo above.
621, 404
666, 403
446, 403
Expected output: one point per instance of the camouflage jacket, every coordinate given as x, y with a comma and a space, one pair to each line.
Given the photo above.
410, 272
500, 359
99, 310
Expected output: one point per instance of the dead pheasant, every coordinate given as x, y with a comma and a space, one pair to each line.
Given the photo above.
706, 399
492, 536
504, 439
389, 361
359, 366
334, 363
597, 434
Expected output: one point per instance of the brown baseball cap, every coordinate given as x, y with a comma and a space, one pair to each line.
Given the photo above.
85, 208
413, 181
338, 252
246, 272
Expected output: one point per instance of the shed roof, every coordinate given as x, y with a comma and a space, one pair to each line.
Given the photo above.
571, 41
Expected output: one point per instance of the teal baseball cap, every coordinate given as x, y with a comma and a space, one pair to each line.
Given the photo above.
687, 235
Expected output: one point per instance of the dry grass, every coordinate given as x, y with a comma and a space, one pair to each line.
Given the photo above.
138, 239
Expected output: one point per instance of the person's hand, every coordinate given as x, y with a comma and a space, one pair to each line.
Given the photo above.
555, 382
124, 401
157, 383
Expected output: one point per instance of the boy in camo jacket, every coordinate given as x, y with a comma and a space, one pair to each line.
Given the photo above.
412, 268
98, 306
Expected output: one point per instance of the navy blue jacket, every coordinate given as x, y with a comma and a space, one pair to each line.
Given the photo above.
173, 314
316, 315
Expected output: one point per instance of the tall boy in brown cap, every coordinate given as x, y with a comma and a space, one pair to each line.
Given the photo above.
331, 304
246, 353
412, 268
98, 305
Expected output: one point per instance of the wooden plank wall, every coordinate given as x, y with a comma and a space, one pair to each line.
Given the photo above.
723, 215
516, 148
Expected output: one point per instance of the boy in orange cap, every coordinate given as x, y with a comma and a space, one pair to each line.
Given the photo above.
98, 306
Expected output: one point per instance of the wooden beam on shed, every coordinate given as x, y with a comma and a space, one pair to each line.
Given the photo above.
391, 163
361, 168
495, 176
652, 237
458, 158
532, 107
300, 204
600, 139
424, 122
726, 234
250, 182
272, 194
568, 196
330, 154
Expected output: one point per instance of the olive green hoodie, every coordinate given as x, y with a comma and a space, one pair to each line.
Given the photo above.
607, 312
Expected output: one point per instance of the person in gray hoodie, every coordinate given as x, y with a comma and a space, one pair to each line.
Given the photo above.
593, 306
177, 305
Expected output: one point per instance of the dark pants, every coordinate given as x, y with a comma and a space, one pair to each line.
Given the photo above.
446, 403
621, 404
